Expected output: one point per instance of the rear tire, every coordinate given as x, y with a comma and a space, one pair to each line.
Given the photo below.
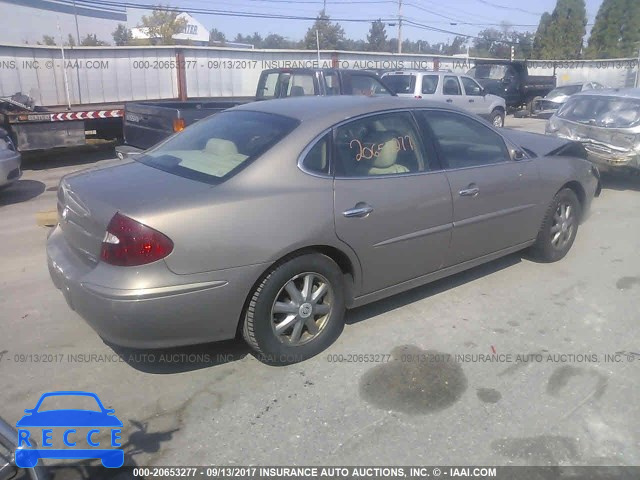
559, 227
296, 311
497, 118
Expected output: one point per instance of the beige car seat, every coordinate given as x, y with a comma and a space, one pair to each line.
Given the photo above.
385, 162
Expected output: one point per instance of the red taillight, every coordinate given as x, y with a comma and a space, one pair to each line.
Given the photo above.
128, 243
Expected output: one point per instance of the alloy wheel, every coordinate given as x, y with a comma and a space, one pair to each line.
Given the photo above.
302, 309
563, 226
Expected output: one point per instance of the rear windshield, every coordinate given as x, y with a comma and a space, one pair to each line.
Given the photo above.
611, 112
495, 72
216, 147
401, 83
566, 90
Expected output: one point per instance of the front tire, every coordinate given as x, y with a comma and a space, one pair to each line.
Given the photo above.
559, 227
296, 311
497, 118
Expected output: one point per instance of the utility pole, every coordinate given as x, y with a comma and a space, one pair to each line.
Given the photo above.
399, 26
75, 14
324, 7
637, 83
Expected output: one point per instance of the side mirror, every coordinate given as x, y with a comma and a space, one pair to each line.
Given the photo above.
517, 154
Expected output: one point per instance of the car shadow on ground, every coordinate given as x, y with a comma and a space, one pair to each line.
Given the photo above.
621, 182
21, 191
431, 289
182, 359
65, 157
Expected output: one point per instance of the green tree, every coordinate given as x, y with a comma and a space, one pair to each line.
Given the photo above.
616, 32
377, 37
216, 37
456, 47
541, 34
560, 35
273, 40
91, 40
162, 25
47, 40
331, 35
492, 43
122, 35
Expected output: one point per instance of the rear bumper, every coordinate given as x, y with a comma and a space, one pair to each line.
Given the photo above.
184, 310
10, 168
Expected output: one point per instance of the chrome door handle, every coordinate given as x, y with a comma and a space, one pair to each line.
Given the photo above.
469, 192
360, 210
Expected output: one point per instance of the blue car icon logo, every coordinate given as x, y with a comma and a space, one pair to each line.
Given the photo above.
65, 422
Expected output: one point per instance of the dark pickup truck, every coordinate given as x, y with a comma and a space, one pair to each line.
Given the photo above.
511, 81
147, 123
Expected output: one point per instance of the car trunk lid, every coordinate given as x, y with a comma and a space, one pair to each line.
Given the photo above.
88, 200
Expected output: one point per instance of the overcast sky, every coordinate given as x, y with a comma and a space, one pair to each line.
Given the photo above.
470, 16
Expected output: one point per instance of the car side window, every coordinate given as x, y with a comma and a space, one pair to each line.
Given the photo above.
429, 84
317, 158
367, 85
386, 144
332, 84
462, 141
451, 86
268, 85
471, 87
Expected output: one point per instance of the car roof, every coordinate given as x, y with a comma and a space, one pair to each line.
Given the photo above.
613, 92
333, 109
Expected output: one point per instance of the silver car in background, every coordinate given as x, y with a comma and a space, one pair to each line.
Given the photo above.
10, 160
559, 95
459, 90
607, 123
271, 218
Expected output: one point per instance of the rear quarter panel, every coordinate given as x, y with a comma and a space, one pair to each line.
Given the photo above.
266, 211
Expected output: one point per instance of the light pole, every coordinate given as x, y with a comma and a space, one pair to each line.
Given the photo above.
399, 26
75, 14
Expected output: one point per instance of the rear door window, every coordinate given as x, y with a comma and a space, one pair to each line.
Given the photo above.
451, 86
385, 144
429, 84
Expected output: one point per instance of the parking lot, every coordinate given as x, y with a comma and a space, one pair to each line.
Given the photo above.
407, 382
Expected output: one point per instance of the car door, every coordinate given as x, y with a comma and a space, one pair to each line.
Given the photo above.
494, 197
474, 100
392, 203
451, 91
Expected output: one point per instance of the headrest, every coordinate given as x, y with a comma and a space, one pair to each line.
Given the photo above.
220, 147
388, 154
297, 91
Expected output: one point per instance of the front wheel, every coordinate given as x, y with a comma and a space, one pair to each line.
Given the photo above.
559, 227
296, 311
497, 118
